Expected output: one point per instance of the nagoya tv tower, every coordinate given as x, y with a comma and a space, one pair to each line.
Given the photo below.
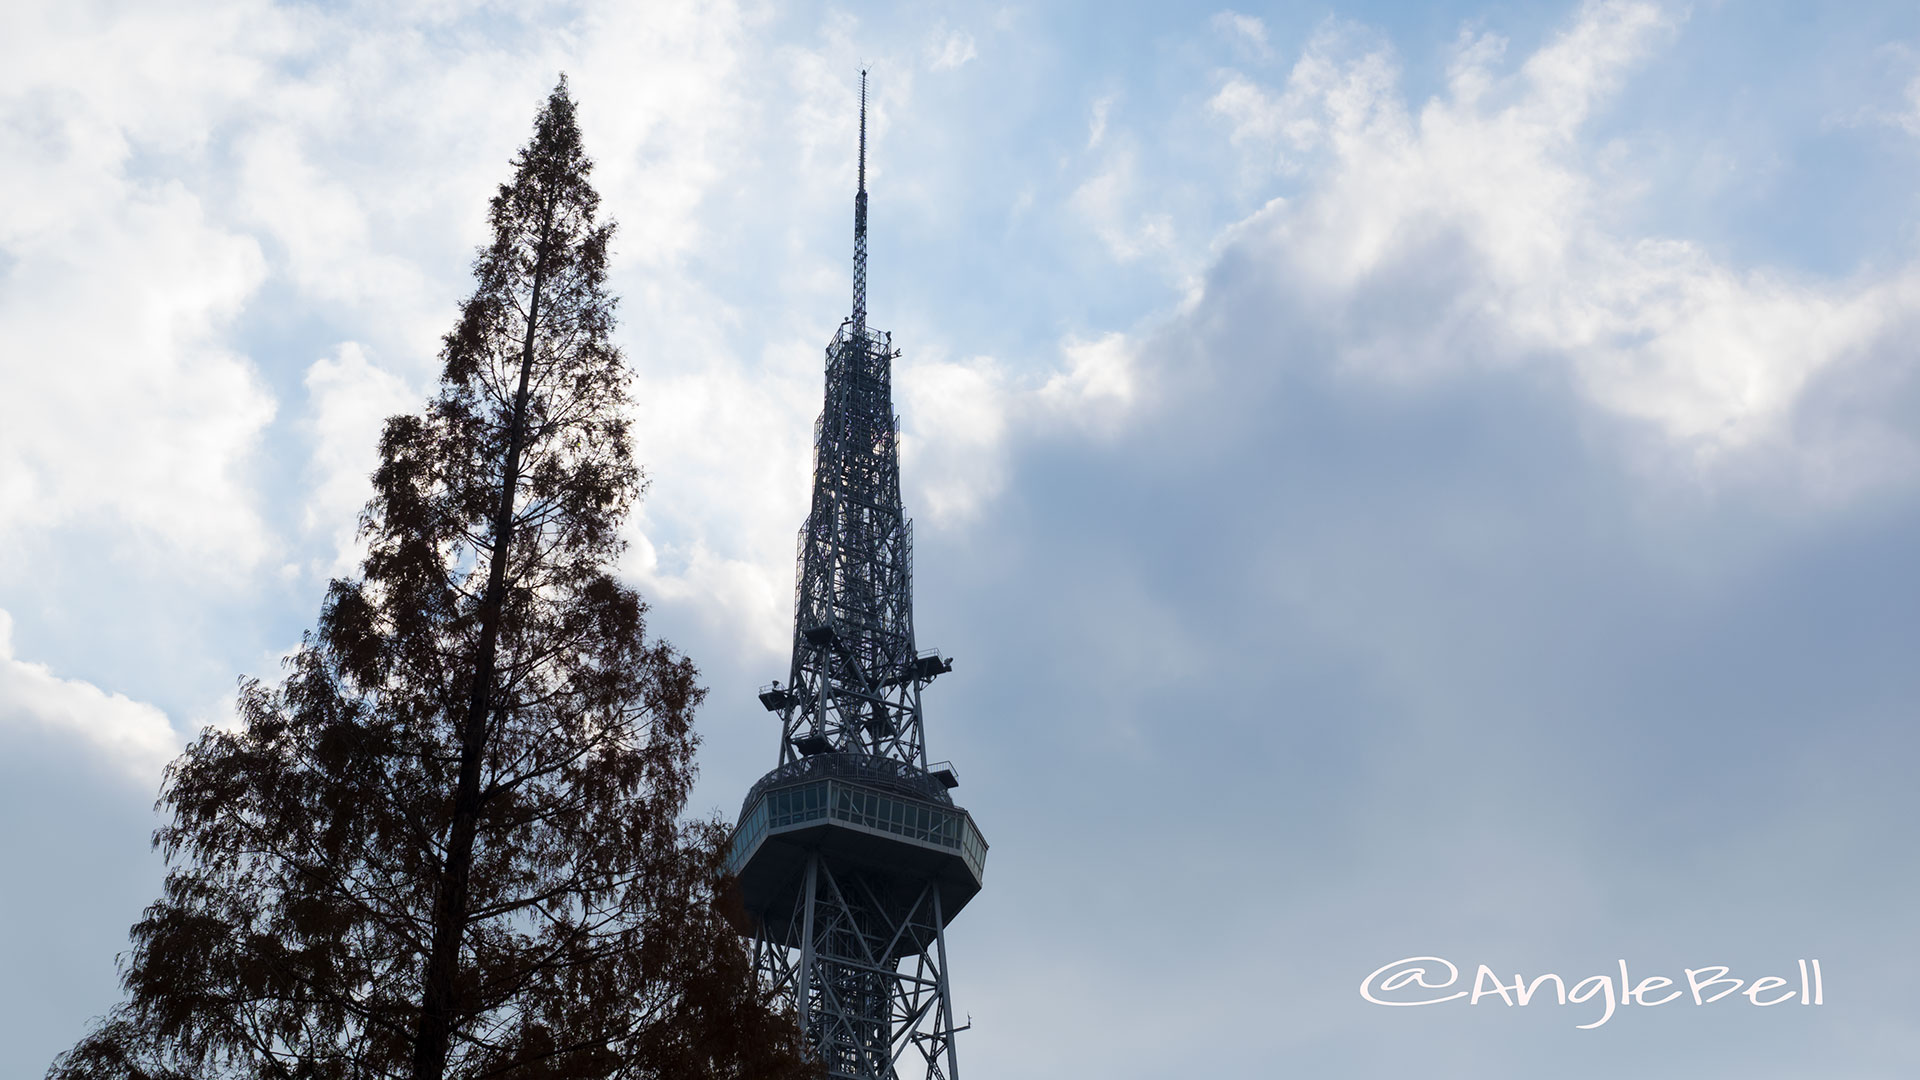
851, 854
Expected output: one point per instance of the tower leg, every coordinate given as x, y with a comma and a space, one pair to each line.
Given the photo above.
946, 989
802, 1004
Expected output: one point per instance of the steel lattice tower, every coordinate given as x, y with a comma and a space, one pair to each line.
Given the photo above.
851, 854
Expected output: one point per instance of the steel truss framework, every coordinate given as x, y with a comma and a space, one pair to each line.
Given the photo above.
869, 979
859, 949
856, 677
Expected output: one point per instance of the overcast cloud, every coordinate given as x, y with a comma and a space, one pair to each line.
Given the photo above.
1396, 479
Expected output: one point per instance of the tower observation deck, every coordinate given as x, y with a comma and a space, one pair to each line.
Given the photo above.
851, 855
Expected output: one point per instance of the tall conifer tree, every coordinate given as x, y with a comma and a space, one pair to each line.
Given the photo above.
449, 843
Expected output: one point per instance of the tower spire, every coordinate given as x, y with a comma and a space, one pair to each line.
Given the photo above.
860, 223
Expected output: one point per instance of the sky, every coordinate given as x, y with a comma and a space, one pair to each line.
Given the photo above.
1397, 480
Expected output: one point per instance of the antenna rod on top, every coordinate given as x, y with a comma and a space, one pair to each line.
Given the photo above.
860, 224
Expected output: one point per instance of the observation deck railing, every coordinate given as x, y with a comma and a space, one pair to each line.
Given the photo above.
849, 795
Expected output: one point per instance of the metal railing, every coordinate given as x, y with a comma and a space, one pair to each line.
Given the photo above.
854, 801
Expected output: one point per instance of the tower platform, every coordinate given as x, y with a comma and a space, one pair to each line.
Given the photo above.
885, 818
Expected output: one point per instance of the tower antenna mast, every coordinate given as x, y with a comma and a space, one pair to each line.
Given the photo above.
860, 223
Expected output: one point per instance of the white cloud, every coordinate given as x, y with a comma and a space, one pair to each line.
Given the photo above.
950, 49
1246, 31
707, 422
130, 737
123, 401
1097, 124
330, 252
126, 406
962, 419
1110, 204
351, 400
1099, 385
956, 415
666, 131
1906, 114
158, 169
1484, 204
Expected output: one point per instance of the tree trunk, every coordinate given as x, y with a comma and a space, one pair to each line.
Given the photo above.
439, 1002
